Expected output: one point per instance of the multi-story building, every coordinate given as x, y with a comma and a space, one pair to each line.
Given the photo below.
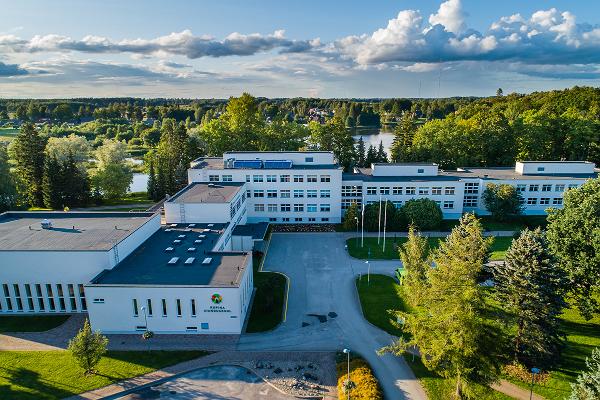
308, 187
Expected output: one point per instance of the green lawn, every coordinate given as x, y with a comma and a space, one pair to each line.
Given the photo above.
130, 198
498, 249
269, 299
582, 337
30, 323
8, 134
33, 375
382, 293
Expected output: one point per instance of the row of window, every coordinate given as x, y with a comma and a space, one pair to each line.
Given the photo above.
43, 297
286, 194
298, 219
446, 204
533, 201
411, 190
273, 178
546, 187
294, 207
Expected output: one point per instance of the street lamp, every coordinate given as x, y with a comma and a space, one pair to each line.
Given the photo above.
368, 272
347, 351
145, 317
356, 218
534, 372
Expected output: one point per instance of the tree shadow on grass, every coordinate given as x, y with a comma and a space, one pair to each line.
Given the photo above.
27, 385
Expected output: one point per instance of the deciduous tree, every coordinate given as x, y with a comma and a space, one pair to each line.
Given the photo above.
502, 201
88, 348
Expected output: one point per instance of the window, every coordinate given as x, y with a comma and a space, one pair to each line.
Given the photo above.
420, 170
213, 178
135, 307
51, 303
410, 190
449, 190
312, 219
285, 219
541, 169
227, 178
311, 207
311, 194
259, 193
351, 191
272, 207
284, 178
193, 307
164, 307
436, 191
298, 207
285, 208
325, 207
521, 187
325, 219
271, 178
534, 188
325, 193
149, 307
397, 190
470, 201
29, 298
559, 188
7, 296
573, 186
82, 297
204, 325
298, 178
191, 328
298, 193
371, 190
259, 207
298, 219
271, 193
384, 190
472, 187
72, 300
40, 296
178, 303
397, 204
557, 201
325, 178
257, 178
448, 204
284, 194
61, 297
424, 191
311, 178
98, 301
531, 201
247, 178
248, 193
308, 159
18, 297
545, 200
272, 219
546, 188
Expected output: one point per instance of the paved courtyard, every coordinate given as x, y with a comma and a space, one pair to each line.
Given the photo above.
324, 310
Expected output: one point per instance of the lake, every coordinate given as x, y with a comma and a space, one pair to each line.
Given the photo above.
140, 183
374, 136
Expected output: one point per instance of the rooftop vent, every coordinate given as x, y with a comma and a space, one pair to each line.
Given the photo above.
191, 225
176, 241
169, 249
205, 230
46, 224
189, 260
198, 241
181, 236
173, 260
207, 261
191, 249
210, 225
168, 230
201, 236
173, 225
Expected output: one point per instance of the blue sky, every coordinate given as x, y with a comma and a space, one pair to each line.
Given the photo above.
296, 48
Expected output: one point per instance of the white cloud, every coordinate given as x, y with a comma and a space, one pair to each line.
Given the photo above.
450, 15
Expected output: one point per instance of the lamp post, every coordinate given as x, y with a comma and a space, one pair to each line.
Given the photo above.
145, 318
347, 352
534, 372
356, 218
368, 273
147, 330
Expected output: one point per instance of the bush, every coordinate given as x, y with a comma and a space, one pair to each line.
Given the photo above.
424, 214
365, 386
521, 373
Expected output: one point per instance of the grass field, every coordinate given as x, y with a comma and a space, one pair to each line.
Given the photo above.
30, 323
8, 134
269, 299
33, 375
498, 249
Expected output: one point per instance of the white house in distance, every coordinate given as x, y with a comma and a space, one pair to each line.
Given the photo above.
309, 187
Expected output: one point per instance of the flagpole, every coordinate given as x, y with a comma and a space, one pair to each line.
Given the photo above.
362, 227
384, 224
379, 227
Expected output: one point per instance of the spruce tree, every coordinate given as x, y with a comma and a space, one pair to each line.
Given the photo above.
404, 134
531, 288
587, 386
152, 184
371, 157
53, 183
8, 190
27, 149
76, 183
414, 254
381, 154
360, 153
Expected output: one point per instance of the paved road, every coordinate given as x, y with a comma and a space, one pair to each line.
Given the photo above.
322, 279
222, 382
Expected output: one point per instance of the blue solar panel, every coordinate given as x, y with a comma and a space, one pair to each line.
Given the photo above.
247, 164
278, 164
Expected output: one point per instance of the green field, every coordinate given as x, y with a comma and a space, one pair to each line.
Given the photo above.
33, 375
8, 134
30, 323
355, 250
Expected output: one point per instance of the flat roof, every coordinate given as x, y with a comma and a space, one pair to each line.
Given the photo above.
217, 163
149, 263
206, 192
257, 230
277, 152
72, 230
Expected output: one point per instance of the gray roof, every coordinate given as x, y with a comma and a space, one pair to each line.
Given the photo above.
217, 163
202, 192
148, 264
257, 230
78, 231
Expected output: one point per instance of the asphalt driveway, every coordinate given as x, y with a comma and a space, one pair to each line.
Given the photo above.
323, 311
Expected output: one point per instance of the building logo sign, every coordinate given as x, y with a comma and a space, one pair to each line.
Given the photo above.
216, 298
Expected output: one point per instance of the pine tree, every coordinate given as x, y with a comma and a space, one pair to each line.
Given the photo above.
414, 254
88, 348
587, 386
531, 287
8, 190
360, 153
152, 183
404, 134
381, 154
28, 152
53, 184
371, 157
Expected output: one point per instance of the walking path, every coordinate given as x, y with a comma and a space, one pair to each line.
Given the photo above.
514, 391
54, 339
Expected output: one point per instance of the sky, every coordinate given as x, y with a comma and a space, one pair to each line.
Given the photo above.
360, 49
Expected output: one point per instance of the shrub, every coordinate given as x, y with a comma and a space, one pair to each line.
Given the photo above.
521, 373
365, 385
424, 214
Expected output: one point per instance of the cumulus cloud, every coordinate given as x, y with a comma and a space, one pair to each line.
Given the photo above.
450, 15
183, 43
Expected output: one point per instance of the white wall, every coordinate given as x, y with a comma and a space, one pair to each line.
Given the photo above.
404, 170
135, 239
547, 167
197, 213
297, 158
